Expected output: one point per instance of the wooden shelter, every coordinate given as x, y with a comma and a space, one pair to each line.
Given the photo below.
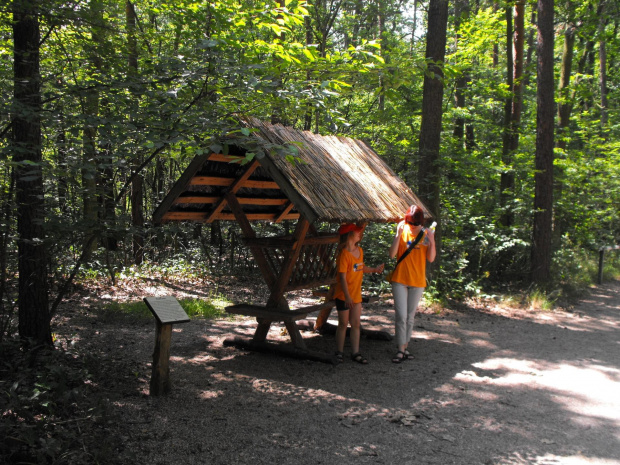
331, 179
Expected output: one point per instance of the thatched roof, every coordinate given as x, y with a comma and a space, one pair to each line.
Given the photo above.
334, 179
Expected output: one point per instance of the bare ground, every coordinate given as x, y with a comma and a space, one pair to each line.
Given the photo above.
488, 385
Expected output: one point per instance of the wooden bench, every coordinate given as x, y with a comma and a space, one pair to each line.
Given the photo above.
265, 316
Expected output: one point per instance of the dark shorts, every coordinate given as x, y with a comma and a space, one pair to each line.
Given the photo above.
340, 305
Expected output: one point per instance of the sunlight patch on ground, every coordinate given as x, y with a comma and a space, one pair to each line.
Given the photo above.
438, 337
210, 395
575, 460
590, 392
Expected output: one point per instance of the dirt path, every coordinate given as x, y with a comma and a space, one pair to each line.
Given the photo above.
488, 385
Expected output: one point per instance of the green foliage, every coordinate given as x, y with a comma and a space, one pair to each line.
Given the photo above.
212, 307
334, 71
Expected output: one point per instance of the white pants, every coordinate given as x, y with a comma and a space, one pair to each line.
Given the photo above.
406, 300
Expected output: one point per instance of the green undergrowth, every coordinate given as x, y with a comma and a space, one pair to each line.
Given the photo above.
212, 307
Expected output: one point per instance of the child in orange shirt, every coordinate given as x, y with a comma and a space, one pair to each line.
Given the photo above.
348, 292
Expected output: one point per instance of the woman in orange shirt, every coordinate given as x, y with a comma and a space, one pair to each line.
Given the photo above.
409, 277
348, 292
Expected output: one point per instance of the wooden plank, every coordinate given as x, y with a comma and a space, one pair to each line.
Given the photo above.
257, 217
160, 377
220, 181
195, 199
295, 335
202, 216
184, 216
284, 213
178, 188
274, 314
264, 202
234, 187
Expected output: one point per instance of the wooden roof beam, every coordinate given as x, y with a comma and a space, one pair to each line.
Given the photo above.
219, 181
286, 211
234, 187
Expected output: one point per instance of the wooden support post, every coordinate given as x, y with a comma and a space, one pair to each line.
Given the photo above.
160, 377
166, 311
249, 233
277, 290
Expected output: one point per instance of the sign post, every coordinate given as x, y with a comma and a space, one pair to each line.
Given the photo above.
167, 311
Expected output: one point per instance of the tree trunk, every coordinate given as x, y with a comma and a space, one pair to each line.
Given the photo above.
137, 215
602, 56
565, 104
429, 173
34, 317
507, 179
543, 179
514, 52
382, 50
461, 10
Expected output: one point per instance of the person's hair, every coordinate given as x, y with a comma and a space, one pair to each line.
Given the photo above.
414, 215
344, 238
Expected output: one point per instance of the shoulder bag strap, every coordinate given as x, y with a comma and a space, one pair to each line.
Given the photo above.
410, 248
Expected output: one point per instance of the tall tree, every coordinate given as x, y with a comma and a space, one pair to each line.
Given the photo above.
543, 178
514, 103
602, 57
429, 173
137, 183
34, 317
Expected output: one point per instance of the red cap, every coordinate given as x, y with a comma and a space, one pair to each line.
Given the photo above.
348, 227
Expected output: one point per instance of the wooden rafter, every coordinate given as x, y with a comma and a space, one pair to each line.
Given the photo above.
202, 217
197, 199
221, 181
284, 213
234, 187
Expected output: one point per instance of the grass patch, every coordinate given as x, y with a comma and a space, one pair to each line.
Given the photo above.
136, 310
211, 308
539, 300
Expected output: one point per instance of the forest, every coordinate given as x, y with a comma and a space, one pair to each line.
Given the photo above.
501, 116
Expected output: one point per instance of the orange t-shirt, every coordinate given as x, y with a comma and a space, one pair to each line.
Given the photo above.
412, 270
354, 269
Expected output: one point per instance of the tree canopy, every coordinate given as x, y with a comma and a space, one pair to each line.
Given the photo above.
130, 92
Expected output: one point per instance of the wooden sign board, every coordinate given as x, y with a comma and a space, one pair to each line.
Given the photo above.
166, 309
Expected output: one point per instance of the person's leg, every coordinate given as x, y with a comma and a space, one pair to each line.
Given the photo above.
399, 291
355, 322
414, 294
341, 331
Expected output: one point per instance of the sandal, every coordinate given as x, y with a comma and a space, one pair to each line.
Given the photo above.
359, 358
408, 355
399, 357
339, 357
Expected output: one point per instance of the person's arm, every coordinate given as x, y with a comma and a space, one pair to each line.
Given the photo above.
348, 301
376, 269
431, 252
394, 247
